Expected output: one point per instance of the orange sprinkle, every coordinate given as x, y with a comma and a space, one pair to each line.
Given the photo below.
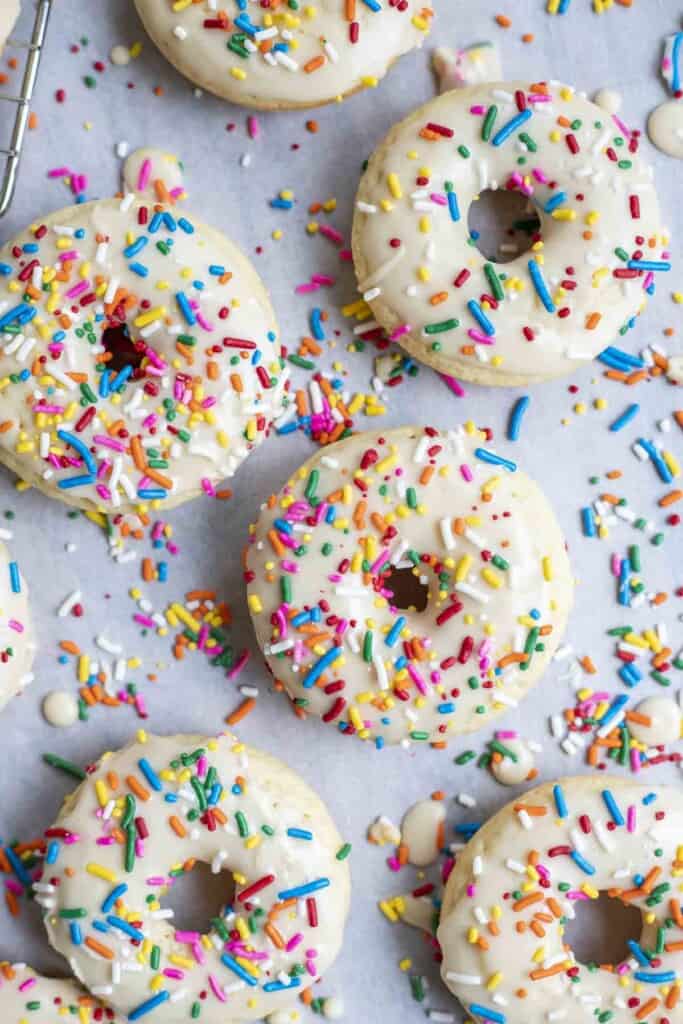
98, 947
245, 708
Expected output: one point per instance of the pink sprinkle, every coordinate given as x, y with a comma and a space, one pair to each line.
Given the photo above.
144, 175
216, 989
631, 818
323, 279
466, 473
59, 172
331, 233
394, 863
29, 983
16, 626
208, 487
615, 565
295, 940
399, 331
173, 972
306, 289
454, 384
239, 664
481, 339
253, 127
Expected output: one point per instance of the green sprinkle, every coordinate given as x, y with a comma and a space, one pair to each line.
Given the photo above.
344, 851
494, 281
66, 766
489, 121
444, 325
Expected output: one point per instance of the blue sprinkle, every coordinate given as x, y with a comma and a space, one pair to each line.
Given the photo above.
114, 895
316, 325
481, 318
75, 933
555, 201
14, 578
588, 521
541, 287
186, 308
149, 1005
237, 969
317, 670
625, 418
278, 986
484, 1011
585, 865
303, 890
149, 773
518, 410
299, 833
395, 631
135, 247
613, 807
484, 455
142, 271
77, 481
513, 124
560, 802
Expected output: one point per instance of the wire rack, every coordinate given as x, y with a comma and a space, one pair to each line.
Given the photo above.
33, 51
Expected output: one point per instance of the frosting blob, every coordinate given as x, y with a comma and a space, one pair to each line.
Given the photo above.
520, 878
17, 641
141, 819
287, 58
665, 128
26, 995
140, 352
546, 311
408, 586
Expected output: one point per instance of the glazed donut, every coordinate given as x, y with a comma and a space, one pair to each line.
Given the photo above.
17, 642
408, 586
518, 881
287, 58
139, 357
26, 996
146, 815
591, 263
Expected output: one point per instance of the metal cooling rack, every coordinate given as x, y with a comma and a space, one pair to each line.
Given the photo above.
33, 50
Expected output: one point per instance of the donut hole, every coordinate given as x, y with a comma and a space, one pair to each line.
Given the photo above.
408, 590
123, 352
198, 895
502, 225
601, 930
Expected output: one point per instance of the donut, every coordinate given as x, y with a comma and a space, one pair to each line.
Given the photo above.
9, 13
139, 354
408, 586
593, 232
144, 817
520, 879
286, 56
26, 996
17, 641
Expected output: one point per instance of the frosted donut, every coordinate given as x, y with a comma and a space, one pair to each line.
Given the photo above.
517, 882
139, 355
9, 13
298, 55
144, 816
26, 996
372, 529
546, 311
17, 641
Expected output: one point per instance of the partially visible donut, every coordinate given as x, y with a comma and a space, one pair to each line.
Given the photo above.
287, 56
590, 266
523, 876
408, 586
139, 355
26, 996
17, 641
146, 815
9, 12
